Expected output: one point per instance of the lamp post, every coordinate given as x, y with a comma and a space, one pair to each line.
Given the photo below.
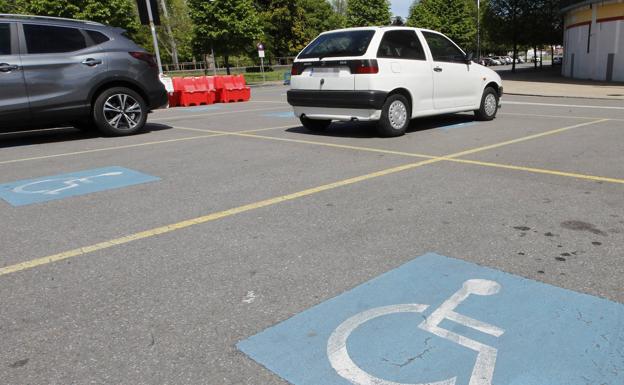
479, 30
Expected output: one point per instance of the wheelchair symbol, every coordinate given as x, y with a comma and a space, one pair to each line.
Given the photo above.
486, 355
65, 183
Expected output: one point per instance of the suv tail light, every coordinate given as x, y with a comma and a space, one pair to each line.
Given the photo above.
144, 56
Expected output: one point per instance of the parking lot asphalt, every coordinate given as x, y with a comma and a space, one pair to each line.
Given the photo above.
254, 219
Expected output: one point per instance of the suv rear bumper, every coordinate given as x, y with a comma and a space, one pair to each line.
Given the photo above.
158, 99
368, 100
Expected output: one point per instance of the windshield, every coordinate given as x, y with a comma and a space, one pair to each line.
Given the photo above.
345, 43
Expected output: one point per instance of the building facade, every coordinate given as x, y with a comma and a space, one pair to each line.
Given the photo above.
594, 39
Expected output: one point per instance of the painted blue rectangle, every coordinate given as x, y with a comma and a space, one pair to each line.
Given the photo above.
29, 191
442, 321
280, 114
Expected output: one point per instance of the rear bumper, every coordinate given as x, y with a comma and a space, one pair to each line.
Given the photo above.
158, 99
369, 100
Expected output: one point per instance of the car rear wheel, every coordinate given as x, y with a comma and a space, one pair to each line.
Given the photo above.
314, 124
119, 111
395, 116
489, 105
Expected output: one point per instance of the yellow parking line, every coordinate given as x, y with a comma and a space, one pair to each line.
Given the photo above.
108, 148
211, 134
203, 219
209, 114
537, 170
557, 116
252, 206
523, 139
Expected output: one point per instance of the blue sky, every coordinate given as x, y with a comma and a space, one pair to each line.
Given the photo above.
401, 7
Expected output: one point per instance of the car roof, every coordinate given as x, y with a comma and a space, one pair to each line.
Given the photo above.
380, 28
46, 20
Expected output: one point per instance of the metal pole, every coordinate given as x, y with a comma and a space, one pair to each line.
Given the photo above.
214, 60
154, 37
478, 30
262, 69
174, 47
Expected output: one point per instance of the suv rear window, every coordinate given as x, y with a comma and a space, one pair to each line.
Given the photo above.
334, 44
51, 39
5, 39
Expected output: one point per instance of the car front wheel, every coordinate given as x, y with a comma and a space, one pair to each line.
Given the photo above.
395, 116
489, 105
119, 111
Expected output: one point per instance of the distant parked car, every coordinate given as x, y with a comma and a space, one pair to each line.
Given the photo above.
61, 71
495, 61
557, 60
536, 59
508, 59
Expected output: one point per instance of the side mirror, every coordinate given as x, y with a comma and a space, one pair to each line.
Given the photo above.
468, 58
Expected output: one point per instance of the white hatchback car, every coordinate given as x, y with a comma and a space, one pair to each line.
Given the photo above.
389, 75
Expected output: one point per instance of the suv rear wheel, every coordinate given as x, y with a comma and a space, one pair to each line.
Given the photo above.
314, 124
119, 111
395, 116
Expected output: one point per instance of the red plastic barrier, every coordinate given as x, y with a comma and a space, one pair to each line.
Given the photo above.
244, 91
206, 85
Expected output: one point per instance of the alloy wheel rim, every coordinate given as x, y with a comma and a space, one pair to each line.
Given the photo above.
397, 114
490, 105
122, 111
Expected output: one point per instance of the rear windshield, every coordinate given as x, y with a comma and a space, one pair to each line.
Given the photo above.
346, 43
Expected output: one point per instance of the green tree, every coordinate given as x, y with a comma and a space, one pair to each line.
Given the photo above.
230, 26
362, 13
454, 18
504, 22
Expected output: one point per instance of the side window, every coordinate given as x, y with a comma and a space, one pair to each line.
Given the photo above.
442, 48
50, 39
5, 39
98, 37
402, 44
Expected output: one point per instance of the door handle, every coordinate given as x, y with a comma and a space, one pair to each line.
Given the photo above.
91, 62
5, 67
437, 69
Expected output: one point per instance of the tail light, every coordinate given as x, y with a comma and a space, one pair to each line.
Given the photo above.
146, 57
364, 66
297, 69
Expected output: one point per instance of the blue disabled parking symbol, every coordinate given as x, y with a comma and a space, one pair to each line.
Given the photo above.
442, 321
29, 191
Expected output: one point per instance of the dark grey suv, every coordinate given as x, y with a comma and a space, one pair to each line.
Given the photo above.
60, 71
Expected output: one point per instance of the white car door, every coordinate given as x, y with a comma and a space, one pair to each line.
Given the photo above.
403, 62
455, 82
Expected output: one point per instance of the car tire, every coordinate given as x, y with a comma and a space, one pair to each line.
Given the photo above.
395, 116
315, 125
489, 105
119, 111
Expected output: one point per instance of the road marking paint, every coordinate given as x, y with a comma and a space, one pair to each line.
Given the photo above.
43, 189
211, 134
557, 116
253, 206
412, 326
562, 105
523, 139
208, 114
204, 219
538, 170
107, 149
445, 158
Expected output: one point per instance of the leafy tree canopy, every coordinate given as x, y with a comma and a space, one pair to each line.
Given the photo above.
456, 19
362, 13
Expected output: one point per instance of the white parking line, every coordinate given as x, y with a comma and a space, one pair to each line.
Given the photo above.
562, 105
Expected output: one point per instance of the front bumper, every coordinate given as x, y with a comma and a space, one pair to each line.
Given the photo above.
368, 100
